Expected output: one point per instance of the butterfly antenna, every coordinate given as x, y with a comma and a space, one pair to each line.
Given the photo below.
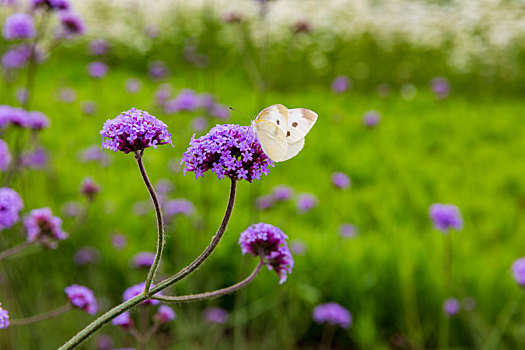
246, 116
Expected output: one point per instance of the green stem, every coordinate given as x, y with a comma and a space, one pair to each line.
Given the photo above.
161, 241
13, 250
41, 317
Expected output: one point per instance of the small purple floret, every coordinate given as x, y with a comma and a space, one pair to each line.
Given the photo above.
97, 70
371, 118
332, 313
134, 130
445, 217
4, 318
341, 180
272, 241
83, 298
341, 84
451, 307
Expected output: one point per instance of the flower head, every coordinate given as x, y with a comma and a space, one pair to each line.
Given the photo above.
178, 207
445, 217
135, 290
158, 70
215, 315
10, 205
518, 271
451, 307
229, 151
44, 228
186, 100
72, 24
264, 202
341, 84
51, 4
5, 155
332, 313
16, 57
440, 87
37, 120
82, 297
36, 159
341, 180
143, 260
271, 241
134, 130
371, 118
348, 230
19, 26
123, 320
282, 192
118, 241
86, 255
97, 70
104, 342
306, 202
89, 188
4, 318
165, 314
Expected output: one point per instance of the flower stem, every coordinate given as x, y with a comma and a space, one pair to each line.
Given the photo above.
143, 323
216, 293
160, 225
209, 249
13, 250
327, 337
41, 317
85, 333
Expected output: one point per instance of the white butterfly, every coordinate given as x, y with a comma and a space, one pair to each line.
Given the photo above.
281, 131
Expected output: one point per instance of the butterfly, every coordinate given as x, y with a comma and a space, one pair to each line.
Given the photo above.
281, 131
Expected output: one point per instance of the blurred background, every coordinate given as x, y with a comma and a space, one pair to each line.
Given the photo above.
419, 102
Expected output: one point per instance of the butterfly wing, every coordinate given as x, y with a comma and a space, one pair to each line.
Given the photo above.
272, 139
293, 149
277, 114
300, 121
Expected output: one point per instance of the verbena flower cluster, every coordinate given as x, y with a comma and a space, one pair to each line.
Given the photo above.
135, 290
5, 155
340, 180
215, 315
518, 271
82, 297
229, 151
134, 130
4, 318
332, 313
21, 118
44, 228
272, 241
451, 307
19, 26
143, 260
10, 206
164, 314
445, 217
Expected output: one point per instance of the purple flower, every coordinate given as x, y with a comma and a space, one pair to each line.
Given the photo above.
341, 180
306, 202
97, 70
371, 119
341, 84
162, 94
518, 271
272, 242
94, 154
44, 228
157, 70
229, 151
282, 193
89, 107
215, 315
186, 100
220, 111
178, 207
264, 202
200, 124
72, 24
37, 120
134, 130
10, 206
36, 159
83, 298
19, 26
132, 85
164, 187
143, 260
89, 188
51, 4
135, 290
86, 255
16, 57
440, 87
5, 155
119, 241
298, 247
445, 217
451, 307
165, 314
4, 318
104, 342
13, 116
332, 313
98, 47
122, 320
348, 230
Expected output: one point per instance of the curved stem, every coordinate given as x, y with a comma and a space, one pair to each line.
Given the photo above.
209, 249
101, 321
160, 225
41, 317
13, 250
216, 293
143, 323
85, 333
